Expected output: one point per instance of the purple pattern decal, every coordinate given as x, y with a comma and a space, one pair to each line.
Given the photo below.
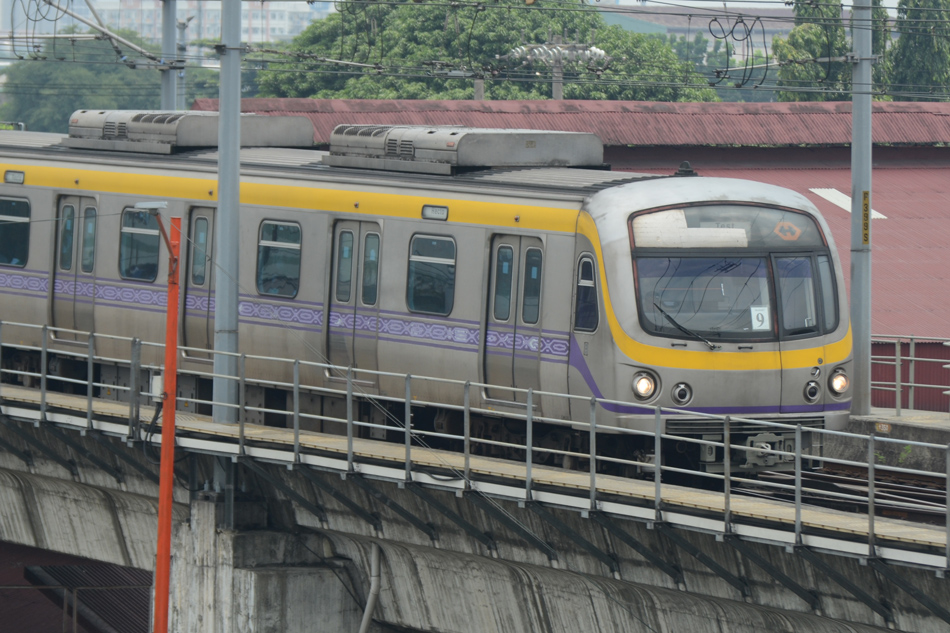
282, 313
19, 281
201, 303
75, 288
522, 343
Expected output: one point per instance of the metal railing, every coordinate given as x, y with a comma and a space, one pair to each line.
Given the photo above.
908, 384
397, 412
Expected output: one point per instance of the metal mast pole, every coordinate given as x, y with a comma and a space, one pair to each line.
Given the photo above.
226, 220
169, 53
861, 206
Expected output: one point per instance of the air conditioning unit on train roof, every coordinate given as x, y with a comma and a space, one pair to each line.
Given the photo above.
161, 132
449, 149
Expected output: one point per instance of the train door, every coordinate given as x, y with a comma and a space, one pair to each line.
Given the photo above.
74, 266
513, 337
354, 296
198, 314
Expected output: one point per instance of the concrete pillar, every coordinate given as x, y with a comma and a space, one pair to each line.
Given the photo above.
224, 581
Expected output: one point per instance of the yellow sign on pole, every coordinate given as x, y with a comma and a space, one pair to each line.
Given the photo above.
866, 218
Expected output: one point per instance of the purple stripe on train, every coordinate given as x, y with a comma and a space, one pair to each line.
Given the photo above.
18, 281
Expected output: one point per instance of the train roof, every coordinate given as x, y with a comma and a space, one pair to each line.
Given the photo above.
302, 163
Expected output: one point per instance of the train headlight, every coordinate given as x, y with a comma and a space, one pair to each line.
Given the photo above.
682, 393
839, 382
812, 391
644, 385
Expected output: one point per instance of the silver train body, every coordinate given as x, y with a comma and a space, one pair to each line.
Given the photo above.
458, 253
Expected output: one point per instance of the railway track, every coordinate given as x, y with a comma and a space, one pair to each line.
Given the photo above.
920, 499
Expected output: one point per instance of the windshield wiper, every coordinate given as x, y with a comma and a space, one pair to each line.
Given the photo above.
685, 330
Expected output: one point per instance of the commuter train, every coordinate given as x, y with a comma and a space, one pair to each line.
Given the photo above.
511, 258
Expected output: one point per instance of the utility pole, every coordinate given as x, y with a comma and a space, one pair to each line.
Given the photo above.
169, 52
861, 143
225, 387
182, 48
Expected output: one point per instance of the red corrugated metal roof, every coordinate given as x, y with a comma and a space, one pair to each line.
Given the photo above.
633, 122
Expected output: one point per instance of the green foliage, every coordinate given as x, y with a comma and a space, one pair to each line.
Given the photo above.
920, 59
717, 67
44, 89
410, 51
819, 34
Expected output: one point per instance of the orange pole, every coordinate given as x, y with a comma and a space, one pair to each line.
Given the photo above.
167, 467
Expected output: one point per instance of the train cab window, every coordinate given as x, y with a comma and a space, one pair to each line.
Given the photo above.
431, 280
139, 243
67, 225
504, 270
344, 266
278, 259
370, 269
199, 253
586, 316
797, 293
531, 298
829, 298
88, 256
14, 232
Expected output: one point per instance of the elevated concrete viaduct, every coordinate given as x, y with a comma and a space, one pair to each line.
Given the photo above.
299, 548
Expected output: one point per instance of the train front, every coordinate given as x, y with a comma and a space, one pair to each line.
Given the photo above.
723, 297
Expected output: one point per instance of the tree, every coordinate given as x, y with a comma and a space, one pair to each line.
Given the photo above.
920, 59
717, 68
435, 51
807, 55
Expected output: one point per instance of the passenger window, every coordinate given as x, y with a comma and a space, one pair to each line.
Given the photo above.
14, 232
586, 315
504, 270
370, 268
66, 228
199, 253
531, 299
431, 280
344, 266
139, 243
89, 240
278, 259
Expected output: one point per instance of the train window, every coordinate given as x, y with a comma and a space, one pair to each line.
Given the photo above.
199, 253
797, 293
370, 268
14, 232
531, 298
139, 243
278, 259
67, 220
586, 315
88, 258
504, 271
344, 266
431, 280
829, 302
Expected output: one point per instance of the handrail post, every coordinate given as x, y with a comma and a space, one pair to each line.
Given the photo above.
135, 367
871, 547
90, 367
593, 453
912, 370
242, 401
467, 432
727, 473
658, 465
349, 419
798, 484
529, 444
947, 511
408, 427
296, 411
44, 353
899, 388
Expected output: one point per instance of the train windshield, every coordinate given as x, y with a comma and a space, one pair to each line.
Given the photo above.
733, 272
